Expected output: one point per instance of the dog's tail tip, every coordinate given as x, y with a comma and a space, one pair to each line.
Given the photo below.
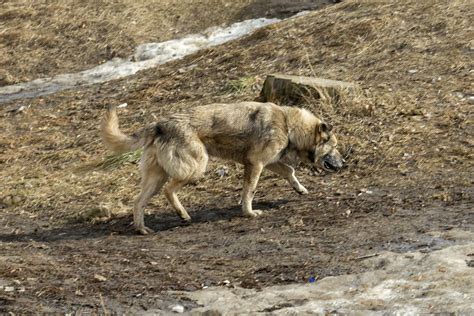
110, 115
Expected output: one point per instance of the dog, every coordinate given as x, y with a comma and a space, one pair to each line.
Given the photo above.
177, 147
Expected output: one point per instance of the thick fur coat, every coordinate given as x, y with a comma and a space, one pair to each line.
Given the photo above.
257, 135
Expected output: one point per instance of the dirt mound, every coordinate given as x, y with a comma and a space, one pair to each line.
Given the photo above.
407, 135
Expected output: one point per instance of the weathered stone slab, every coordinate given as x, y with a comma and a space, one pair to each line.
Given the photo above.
288, 89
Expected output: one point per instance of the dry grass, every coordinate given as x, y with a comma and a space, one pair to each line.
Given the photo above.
116, 160
44, 38
243, 85
405, 132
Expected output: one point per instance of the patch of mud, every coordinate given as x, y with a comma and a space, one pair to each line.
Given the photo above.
410, 283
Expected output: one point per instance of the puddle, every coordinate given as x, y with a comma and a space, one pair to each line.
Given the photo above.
423, 243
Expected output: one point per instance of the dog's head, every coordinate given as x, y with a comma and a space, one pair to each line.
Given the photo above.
324, 153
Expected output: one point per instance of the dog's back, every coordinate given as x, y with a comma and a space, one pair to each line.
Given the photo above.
230, 130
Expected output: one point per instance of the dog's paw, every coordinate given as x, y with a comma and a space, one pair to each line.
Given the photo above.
253, 213
144, 230
186, 219
302, 190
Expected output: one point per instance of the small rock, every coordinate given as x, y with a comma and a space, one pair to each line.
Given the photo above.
100, 278
8, 201
458, 94
16, 199
123, 105
412, 71
17, 110
178, 309
94, 213
9, 289
295, 222
222, 171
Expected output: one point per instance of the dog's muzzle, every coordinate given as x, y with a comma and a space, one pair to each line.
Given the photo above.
332, 162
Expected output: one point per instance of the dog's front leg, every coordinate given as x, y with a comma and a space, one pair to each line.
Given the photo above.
288, 173
251, 175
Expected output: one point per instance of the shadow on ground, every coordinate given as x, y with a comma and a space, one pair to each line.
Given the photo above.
123, 225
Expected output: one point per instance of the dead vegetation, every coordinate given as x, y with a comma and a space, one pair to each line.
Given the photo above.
407, 135
45, 38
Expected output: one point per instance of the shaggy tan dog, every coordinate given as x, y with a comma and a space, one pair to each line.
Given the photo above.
258, 135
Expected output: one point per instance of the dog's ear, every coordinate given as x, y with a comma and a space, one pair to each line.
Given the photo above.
325, 127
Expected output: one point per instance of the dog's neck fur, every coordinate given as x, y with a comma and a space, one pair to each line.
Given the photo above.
301, 126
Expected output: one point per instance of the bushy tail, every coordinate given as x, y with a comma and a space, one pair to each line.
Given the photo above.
117, 141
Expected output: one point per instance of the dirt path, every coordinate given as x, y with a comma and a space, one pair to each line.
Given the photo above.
88, 268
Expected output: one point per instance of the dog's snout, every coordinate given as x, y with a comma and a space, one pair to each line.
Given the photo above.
332, 162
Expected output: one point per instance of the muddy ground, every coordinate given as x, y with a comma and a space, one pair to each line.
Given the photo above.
66, 241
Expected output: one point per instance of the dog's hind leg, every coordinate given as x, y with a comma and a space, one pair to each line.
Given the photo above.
251, 175
170, 192
288, 173
152, 181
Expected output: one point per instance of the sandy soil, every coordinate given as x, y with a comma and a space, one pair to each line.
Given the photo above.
66, 241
